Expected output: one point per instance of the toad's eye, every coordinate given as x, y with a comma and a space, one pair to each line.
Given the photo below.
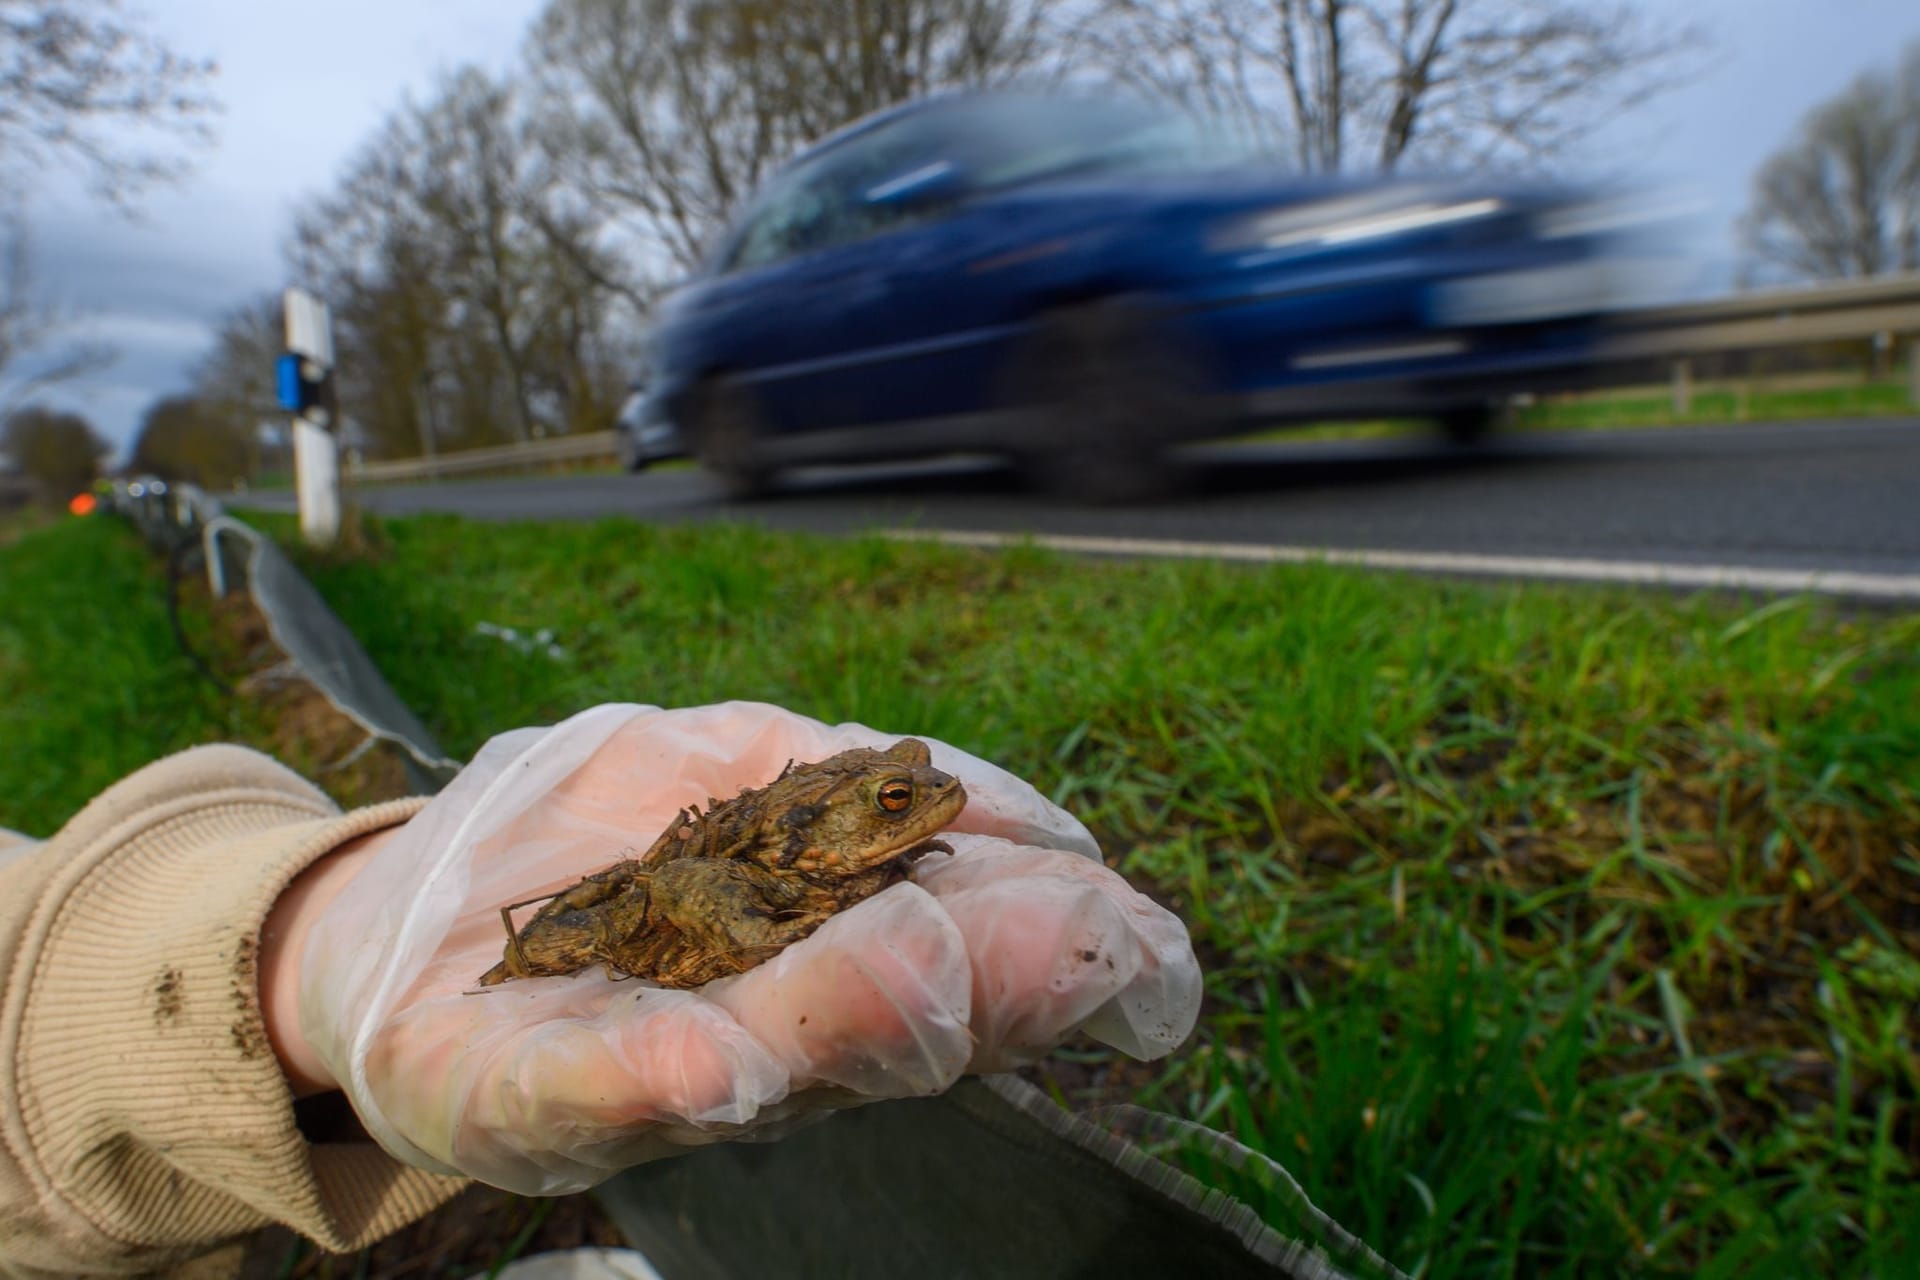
896, 795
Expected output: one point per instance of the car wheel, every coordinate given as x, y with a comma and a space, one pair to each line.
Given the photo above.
1107, 394
727, 432
627, 445
1469, 425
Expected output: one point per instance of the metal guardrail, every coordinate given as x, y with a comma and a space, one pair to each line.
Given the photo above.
1851, 310
180, 520
586, 447
1774, 318
1839, 295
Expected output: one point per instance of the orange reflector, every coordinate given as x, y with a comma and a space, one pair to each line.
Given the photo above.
82, 504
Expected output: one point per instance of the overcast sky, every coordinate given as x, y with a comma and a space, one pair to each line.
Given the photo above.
304, 84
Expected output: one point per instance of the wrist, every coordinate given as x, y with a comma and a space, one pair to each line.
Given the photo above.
283, 944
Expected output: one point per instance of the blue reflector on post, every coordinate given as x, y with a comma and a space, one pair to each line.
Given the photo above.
286, 382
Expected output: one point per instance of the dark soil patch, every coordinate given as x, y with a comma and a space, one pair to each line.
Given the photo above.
464, 1237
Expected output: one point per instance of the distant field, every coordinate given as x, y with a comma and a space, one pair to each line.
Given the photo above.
1713, 402
1549, 931
1726, 400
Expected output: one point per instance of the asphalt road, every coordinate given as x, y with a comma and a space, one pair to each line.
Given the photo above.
1823, 496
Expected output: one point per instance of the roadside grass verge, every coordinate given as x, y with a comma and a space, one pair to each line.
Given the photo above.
18, 523
95, 681
1719, 402
92, 682
1548, 930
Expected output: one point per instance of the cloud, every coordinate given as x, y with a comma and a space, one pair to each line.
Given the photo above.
207, 252
154, 293
153, 359
302, 92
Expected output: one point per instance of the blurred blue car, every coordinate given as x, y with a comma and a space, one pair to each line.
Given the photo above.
1083, 284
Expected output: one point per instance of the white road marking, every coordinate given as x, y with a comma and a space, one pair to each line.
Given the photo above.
1733, 577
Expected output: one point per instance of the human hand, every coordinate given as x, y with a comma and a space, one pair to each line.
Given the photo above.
987, 959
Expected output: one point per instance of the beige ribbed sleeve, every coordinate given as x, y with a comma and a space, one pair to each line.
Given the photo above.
146, 1118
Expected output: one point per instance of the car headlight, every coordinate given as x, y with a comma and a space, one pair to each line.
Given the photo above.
1321, 224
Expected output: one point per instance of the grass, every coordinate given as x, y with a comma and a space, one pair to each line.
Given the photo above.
18, 522
95, 681
1549, 930
1722, 401
92, 681
1713, 403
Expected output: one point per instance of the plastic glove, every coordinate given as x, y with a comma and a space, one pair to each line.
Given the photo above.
987, 959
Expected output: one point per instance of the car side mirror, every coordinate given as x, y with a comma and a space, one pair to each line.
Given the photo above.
929, 183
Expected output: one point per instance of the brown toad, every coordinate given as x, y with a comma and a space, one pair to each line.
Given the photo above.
721, 891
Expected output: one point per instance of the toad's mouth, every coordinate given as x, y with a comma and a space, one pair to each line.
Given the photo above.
903, 858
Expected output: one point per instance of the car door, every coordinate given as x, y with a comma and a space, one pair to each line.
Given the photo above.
948, 309
790, 307
828, 288
954, 267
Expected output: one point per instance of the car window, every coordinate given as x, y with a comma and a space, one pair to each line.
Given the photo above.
825, 202
789, 221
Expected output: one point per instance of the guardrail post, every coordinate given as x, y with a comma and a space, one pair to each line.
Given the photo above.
1682, 388
426, 420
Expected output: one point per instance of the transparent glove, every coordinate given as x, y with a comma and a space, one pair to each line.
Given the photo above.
985, 960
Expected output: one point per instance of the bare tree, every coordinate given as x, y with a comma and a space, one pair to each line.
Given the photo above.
469, 300
826, 62
666, 114
61, 452
1842, 199
474, 185
81, 86
236, 377
233, 393
181, 439
1379, 83
366, 249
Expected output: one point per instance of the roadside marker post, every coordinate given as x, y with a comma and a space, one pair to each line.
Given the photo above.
1682, 387
304, 381
316, 471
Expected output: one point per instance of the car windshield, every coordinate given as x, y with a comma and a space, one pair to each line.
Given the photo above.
1004, 141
